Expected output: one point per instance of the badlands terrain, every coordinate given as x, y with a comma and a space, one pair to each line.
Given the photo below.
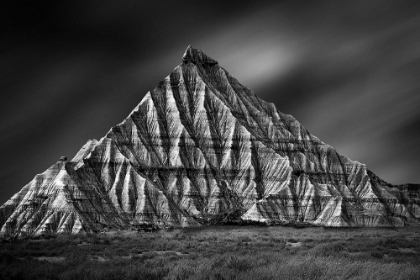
202, 149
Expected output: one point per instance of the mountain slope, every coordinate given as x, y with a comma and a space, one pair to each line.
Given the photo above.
197, 148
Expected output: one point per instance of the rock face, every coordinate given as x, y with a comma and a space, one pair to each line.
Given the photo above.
202, 148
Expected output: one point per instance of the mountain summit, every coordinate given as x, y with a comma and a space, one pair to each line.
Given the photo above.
202, 148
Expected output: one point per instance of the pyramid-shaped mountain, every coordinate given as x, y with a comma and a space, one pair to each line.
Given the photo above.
202, 148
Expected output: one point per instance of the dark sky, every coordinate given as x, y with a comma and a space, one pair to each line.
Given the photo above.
349, 71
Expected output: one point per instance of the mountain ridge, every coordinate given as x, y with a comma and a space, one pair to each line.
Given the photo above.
197, 147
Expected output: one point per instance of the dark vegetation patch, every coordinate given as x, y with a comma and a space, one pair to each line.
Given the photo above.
219, 252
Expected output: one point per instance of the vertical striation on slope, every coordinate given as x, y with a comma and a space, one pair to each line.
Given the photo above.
202, 148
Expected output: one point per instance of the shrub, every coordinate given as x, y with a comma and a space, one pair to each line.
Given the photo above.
328, 249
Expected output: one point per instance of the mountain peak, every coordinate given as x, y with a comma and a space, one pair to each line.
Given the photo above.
196, 56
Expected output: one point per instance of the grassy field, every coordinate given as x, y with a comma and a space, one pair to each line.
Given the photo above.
219, 252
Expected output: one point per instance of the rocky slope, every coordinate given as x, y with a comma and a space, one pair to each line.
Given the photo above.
202, 148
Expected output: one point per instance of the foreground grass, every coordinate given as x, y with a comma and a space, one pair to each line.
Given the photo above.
219, 252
